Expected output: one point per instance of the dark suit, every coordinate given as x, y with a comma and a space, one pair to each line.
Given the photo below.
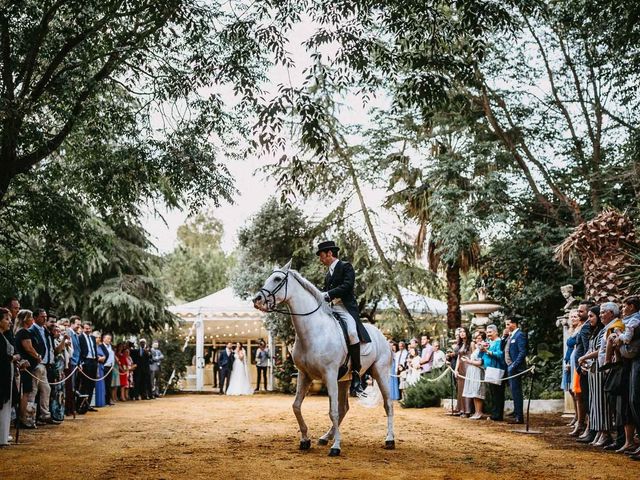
89, 365
517, 345
582, 347
341, 285
225, 364
142, 373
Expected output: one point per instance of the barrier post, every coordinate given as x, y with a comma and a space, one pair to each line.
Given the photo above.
451, 385
18, 409
526, 429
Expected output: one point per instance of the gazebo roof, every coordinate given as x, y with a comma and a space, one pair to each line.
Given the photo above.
224, 304
416, 303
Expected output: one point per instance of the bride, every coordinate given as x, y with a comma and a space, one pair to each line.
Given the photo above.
239, 383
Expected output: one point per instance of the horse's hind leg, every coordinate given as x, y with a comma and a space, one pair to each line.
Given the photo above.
304, 382
381, 372
334, 415
343, 408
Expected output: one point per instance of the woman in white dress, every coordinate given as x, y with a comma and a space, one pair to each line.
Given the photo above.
239, 383
473, 385
414, 367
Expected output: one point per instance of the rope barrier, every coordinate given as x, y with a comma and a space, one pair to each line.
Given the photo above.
530, 369
53, 383
97, 379
457, 375
79, 368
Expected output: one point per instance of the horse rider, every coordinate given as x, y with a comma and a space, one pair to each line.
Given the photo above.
339, 291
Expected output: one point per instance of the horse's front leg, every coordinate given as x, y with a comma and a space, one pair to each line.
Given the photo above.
334, 414
343, 408
381, 372
304, 382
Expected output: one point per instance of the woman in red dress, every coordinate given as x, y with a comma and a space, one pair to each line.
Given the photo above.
124, 362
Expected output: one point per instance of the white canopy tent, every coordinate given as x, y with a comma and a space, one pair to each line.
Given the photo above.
222, 317
416, 303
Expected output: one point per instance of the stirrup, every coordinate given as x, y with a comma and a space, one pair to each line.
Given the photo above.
356, 385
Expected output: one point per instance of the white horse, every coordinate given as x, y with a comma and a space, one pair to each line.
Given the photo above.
320, 349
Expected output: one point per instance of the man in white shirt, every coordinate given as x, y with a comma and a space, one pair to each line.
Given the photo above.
426, 358
44, 348
109, 362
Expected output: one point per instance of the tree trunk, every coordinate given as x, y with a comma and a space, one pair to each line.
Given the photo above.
386, 264
454, 318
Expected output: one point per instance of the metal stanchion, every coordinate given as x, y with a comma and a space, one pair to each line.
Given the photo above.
18, 409
451, 413
526, 429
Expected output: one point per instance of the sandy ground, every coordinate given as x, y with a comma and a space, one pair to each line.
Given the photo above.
210, 437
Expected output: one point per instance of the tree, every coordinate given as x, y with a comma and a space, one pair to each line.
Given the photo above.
120, 290
100, 70
277, 233
198, 266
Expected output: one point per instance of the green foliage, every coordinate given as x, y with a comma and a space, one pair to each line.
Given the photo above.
198, 266
120, 291
425, 393
520, 273
175, 359
285, 372
277, 233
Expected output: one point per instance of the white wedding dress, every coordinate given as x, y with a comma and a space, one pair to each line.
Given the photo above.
239, 383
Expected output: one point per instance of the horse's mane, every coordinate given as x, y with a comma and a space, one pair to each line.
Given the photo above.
311, 288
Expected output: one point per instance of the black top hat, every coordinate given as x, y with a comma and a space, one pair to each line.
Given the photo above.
326, 246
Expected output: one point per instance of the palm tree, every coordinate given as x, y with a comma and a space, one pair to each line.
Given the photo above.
437, 199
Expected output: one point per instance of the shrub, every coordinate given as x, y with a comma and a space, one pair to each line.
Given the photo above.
427, 393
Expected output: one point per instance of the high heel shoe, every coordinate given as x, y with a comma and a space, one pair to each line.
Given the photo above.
573, 422
578, 429
626, 448
604, 440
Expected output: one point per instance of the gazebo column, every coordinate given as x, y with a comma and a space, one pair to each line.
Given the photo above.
199, 324
270, 376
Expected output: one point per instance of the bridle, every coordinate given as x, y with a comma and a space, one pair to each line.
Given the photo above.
270, 297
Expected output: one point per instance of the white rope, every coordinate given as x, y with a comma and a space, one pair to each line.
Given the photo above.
53, 383
457, 375
97, 379
530, 369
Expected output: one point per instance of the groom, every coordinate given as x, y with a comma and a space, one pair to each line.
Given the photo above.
225, 364
339, 290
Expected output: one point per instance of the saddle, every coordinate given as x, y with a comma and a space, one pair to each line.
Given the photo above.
365, 349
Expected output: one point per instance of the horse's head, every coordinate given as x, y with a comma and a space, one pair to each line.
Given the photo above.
274, 290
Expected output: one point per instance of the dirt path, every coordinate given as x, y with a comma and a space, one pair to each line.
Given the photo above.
210, 437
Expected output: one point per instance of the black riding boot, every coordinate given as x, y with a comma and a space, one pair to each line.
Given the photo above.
356, 383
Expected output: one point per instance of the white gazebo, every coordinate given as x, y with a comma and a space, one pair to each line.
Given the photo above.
416, 303
217, 319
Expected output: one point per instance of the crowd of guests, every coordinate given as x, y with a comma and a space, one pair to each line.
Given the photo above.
602, 374
65, 368
480, 361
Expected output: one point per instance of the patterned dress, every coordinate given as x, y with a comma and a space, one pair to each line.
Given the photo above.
600, 418
57, 404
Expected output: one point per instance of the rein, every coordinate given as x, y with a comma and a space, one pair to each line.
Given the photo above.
272, 294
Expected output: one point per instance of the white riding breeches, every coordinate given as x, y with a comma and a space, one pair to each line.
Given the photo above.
349, 321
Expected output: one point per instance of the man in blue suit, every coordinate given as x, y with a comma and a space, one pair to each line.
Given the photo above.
515, 353
225, 364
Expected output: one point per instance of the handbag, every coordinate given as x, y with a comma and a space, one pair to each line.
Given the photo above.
493, 375
613, 381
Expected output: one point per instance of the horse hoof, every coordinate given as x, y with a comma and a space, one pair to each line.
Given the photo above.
305, 444
322, 441
334, 452
390, 445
